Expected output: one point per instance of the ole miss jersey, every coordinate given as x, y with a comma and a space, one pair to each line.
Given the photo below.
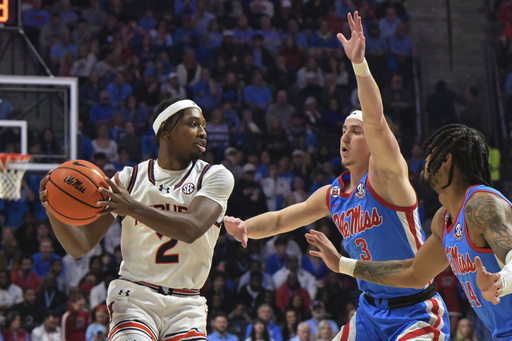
156, 259
374, 230
461, 253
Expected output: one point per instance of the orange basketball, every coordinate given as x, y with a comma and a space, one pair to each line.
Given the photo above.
73, 192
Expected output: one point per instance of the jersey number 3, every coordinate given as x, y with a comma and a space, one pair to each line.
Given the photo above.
365, 253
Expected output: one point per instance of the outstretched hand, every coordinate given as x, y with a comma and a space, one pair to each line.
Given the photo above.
327, 252
236, 227
355, 46
119, 200
488, 282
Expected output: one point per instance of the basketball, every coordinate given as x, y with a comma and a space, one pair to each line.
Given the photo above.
72, 192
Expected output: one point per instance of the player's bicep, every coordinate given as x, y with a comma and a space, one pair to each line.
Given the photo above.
491, 216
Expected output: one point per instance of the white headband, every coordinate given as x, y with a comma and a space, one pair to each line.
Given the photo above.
357, 114
171, 110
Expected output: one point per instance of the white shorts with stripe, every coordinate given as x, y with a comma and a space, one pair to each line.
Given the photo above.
139, 309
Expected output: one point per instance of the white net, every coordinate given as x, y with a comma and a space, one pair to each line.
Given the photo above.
12, 169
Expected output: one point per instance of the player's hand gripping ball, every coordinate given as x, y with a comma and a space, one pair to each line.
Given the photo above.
72, 192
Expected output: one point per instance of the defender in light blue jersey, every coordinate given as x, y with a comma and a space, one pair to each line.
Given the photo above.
374, 207
472, 232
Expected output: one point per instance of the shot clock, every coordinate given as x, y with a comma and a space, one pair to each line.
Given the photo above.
10, 14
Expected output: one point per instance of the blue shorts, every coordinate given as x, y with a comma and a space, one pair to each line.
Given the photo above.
427, 320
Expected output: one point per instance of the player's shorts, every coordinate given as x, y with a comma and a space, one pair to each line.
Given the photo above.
155, 314
426, 320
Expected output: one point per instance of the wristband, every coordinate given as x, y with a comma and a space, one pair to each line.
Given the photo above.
347, 266
361, 69
506, 276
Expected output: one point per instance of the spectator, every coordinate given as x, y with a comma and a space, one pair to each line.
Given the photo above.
34, 19
131, 144
119, 90
14, 331
465, 331
242, 33
400, 49
49, 330
313, 266
172, 89
206, 92
84, 63
82, 35
76, 319
98, 294
252, 293
238, 321
98, 329
306, 279
256, 266
271, 39
310, 79
288, 289
44, 257
218, 287
248, 198
289, 327
103, 111
75, 269
10, 294
31, 315
265, 316
324, 331
440, 106
261, 56
188, 71
389, 23
377, 52
104, 144
59, 50
318, 316
25, 277
281, 76
447, 286
276, 189
220, 329
471, 111
218, 131
323, 41
399, 104
94, 15
259, 332
303, 332
213, 37
257, 97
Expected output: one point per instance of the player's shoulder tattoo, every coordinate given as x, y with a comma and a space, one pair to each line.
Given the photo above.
492, 216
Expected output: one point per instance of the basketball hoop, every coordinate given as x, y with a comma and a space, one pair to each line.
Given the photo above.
12, 168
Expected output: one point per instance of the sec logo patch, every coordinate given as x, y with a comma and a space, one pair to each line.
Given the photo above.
188, 188
335, 192
360, 191
457, 234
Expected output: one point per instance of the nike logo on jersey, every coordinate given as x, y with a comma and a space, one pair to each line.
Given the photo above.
335, 205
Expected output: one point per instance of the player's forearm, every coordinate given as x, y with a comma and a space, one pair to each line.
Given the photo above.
78, 240
263, 226
390, 273
370, 99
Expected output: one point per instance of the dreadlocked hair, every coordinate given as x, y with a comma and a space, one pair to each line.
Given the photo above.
172, 121
468, 149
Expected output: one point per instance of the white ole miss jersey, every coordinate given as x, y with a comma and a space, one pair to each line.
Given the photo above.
150, 257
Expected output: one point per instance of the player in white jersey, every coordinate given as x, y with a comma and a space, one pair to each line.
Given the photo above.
172, 210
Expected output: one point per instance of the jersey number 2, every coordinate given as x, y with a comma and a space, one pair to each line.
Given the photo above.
162, 258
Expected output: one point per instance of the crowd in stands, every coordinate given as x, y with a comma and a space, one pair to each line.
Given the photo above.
275, 87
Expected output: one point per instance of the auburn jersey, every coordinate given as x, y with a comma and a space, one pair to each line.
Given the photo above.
151, 257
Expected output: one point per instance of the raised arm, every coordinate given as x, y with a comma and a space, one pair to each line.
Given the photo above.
277, 222
410, 273
489, 220
388, 168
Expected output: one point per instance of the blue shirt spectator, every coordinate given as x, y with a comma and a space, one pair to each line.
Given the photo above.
36, 17
257, 95
44, 258
119, 90
102, 111
184, 7
220, 325
6, 109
